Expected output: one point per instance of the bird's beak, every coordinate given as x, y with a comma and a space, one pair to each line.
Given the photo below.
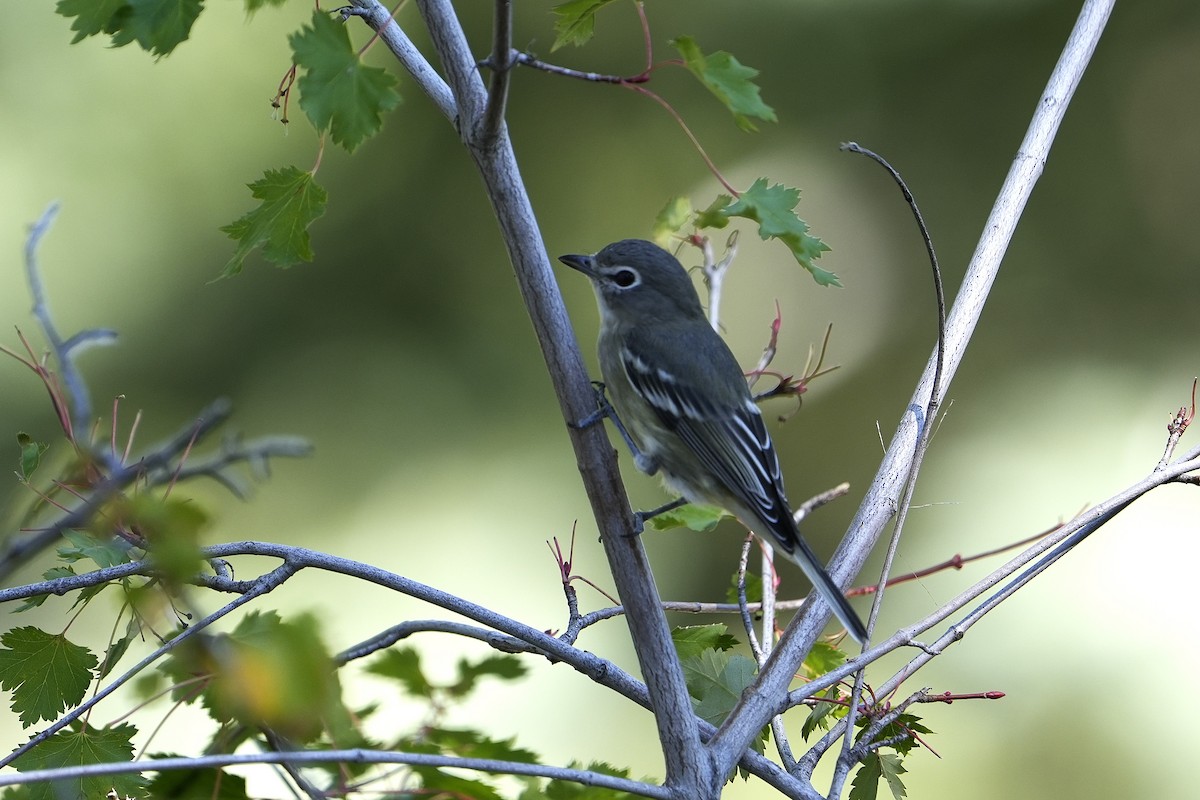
585, 264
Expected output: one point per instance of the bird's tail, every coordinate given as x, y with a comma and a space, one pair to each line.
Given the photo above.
803, 555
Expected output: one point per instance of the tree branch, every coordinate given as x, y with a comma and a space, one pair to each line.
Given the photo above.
379, 19
879, 504
356, 756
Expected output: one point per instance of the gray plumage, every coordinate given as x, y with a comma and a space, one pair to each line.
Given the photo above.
683, 398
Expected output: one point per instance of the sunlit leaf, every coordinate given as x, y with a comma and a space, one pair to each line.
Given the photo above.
772, 207
674, 215
729, 80
575, 21
693, 517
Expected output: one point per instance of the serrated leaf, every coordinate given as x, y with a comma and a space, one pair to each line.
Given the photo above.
822, 659
498, 666
404, 665
255, 5
716, 680
865, 785
291, 200
567, 790
900, 731
821, 715
337, 91
473, 744
772, 208
81, 746
729, 80
113, 654
105, 550
692, 640
45, 673
673, 216
575, 22
441, 784
714, 216
92, 17
196, 784
31, 455
158, 26
891, 768
693, 517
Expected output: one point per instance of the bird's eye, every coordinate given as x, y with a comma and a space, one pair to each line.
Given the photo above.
625, 277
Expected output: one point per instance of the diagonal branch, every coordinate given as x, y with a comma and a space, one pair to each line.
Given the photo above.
881, 500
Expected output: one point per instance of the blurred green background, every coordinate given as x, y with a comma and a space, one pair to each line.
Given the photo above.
404, 354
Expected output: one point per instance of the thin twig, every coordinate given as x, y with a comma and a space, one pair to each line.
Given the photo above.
502, 64
849, 755
879, 503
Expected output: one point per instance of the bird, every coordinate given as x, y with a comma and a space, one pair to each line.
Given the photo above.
682, 403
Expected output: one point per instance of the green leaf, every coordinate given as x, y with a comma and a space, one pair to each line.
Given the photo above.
714, 216
822, 659
337, 91
440, 784
498, 666
473, 744
901, 731
291, 200
54, 573
106, 550
865, 785
404, 665
674, 215
278, 674
575, 22
877, 767
80, 746
196, 784
92, 17
113, 654
255, 5
158, 26
821, 715
772, 208
753, 588
45, 673
716, 680
171, 528
31, 456
692, 640
566, 790
893, 768
697, 518
728, 79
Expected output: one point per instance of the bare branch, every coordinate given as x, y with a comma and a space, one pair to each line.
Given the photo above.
356, 756
65, 351
379, 19
759, 703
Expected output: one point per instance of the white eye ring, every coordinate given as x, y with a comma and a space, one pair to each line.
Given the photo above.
625, 278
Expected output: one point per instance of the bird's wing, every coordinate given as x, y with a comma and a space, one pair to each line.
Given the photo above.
729, 439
